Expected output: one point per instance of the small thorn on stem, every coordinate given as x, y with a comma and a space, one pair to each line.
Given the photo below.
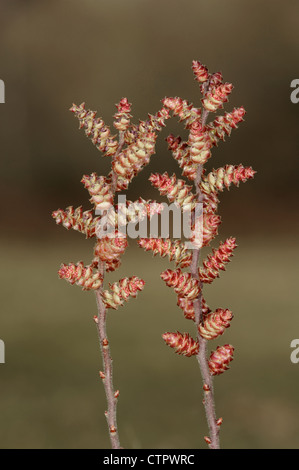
102, 375
95, 319
206, 388
207, 439
116, 394
105, 343
219, 421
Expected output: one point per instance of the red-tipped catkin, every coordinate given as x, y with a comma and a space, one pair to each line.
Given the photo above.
121, 214
121, 291
215, 323
80, 275
215, 80
199, 143
110, 249
76, 219
217, 260
216, 180
200, 71
183, 109
181, 153
182, 343
175, 251
132, 159
183, 283
223, 125
99, 189
210, 203
210, 226
131, 134
95, 129
220, 359
155, 122
175, 189
123, 116
215, 98
188, 308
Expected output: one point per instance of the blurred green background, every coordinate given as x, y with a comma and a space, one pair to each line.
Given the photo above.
54, 53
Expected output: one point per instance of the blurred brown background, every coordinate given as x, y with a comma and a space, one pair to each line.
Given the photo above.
54, 53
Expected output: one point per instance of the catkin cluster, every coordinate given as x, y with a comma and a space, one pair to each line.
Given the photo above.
191, 155
129, 153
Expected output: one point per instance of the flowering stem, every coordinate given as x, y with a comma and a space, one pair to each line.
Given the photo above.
107, 374
208, 401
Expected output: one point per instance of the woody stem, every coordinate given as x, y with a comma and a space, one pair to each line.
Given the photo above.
208, 401
107, 374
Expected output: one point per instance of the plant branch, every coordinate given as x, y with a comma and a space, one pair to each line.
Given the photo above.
208, 401
107, 374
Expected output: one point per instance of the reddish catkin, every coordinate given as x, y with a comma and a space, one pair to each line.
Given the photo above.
181, 153
217, 261
155, 122
224, 177
199, 143
176, 190
215, 80
76, 219
175, 251
210, 224
81, 275
182, 343
99, 189
183, 283
132, 159
200, 71
210, 203
188, 308
122, 118
121, 291
110, 249
215, 98
121, 214
223, 125
95, 129
109, 265
220, 359
215, 323
183, 109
